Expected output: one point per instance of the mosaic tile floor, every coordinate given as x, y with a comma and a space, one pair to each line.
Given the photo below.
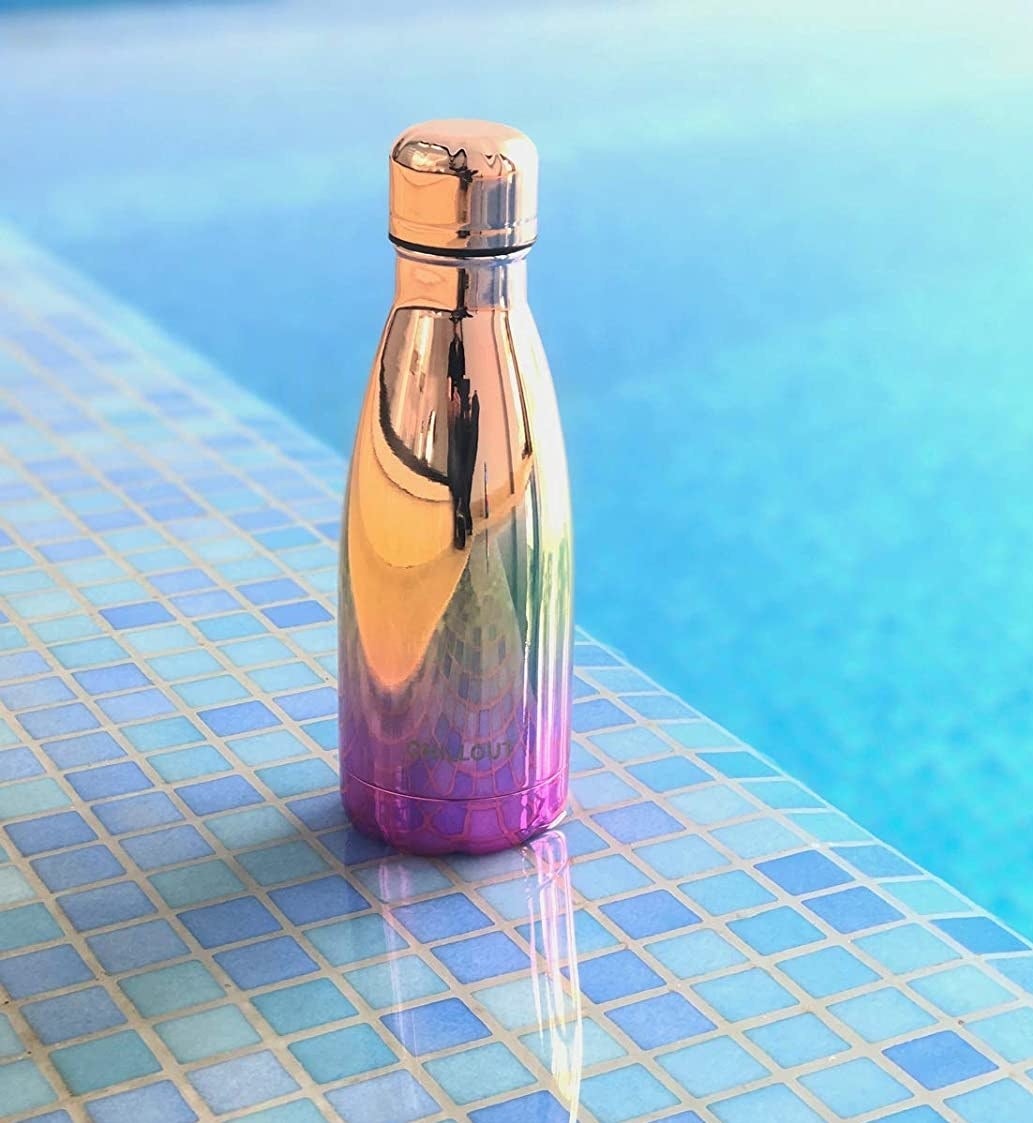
189, 929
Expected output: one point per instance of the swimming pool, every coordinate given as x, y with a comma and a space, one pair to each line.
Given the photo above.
784, 280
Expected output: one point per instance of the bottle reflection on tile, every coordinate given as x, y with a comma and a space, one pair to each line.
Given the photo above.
499, 997
554, 967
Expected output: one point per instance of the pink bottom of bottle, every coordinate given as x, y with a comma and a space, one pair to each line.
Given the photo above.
446, 826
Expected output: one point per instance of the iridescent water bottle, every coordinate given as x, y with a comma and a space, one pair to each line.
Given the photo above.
456, 563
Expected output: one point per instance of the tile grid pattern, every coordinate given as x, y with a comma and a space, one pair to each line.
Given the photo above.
176, 857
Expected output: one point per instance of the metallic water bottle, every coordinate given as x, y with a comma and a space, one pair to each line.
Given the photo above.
456, 566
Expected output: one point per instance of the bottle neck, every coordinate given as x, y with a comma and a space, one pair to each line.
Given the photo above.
432, 281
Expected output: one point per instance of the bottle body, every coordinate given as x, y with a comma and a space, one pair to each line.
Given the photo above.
456, 570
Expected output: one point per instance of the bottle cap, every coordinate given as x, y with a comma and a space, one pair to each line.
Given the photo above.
463, 189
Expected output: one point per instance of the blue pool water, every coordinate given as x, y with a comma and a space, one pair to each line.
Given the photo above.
785, 278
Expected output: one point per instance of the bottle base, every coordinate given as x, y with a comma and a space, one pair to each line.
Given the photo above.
450, 826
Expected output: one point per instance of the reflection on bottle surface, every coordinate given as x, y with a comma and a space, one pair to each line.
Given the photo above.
540, 1005
456, 569
456, 576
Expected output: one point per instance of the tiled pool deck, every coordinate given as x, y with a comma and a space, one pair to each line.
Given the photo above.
189, 929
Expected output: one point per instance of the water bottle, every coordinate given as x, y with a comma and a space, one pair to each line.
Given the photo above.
456, 572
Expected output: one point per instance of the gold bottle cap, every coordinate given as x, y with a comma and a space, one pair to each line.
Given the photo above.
463, 188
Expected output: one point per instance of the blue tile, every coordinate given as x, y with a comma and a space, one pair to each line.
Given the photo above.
395, 1098
136, 615
827, 971
342, 1053
806, 872
205, 604
269, 592
797, 1040
479, 1073
852, 910
684, 856
961, 990
712, 1066
765, 1105
607, 876
21, 665
745, 994
650, 914
482, 957
776, 930
72, 550
181, 581
87, 748
88, 653
38, 972
58, 720
855, 1087
245, 717
601, 788
297, 614
110, 904
637, 822
669, 773
286, 780
882, 1014
782, 794
660, 706
163, 848
166, 733
757, 838
318, 812
269, 961
727, 892
72, 1015
1010, 1034
23, 1087
624, 1094
29, 924
697, 953
303, 1006
18, 764
210, 796
242, 1082
137, 812
226, 923
876, 861
616, 975
310, 703
51, 832
321, 899
980, 934
189, 764
136, 706
1017, 968
77, 867
35, 692
350, 941
600, 713
109, 780
939, 1059
125, 949
234, 626
103, 680
1001, 1102
93, 1065
153, 1103
441, 917
659, 1021
446, 1024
